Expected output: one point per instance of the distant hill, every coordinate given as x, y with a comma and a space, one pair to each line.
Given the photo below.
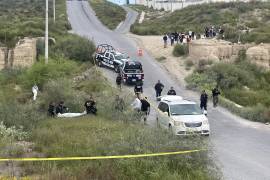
26, 18
234, 17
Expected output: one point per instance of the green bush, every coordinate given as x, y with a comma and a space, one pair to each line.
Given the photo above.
230, 76
25, 115
242, 82
63, 90
180, 50
40, 73
75, 47
108, 13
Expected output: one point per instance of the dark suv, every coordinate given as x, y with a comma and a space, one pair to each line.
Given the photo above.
131, 72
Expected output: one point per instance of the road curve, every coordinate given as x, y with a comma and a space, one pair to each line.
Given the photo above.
241, 148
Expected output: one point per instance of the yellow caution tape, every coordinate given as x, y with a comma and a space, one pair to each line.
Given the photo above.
100, 157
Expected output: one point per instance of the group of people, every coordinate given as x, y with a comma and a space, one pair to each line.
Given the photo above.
211, 32
159, 88
178, 37
204, 98
60, 110
186, 37
141, 105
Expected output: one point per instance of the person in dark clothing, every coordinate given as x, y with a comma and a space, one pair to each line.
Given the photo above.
172, 39
165, 39
145, 108
158, 88
215, 94
204, 99
51, 109
119, 81
61, 108
90, 106
192, 35
176, 37
138, 88
171, 92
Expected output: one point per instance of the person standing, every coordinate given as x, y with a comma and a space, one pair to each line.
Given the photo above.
119, 81
158, 88
51, 109
138, 88
136, 104
145, 108
204, 99
215, 94
35, 92
90, 106
165, 40
171, 91
172, 39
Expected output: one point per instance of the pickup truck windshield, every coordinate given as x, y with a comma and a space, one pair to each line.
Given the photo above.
133, 68
120, 56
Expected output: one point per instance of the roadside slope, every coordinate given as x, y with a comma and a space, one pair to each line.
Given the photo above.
110, 14
238, 144
235, 17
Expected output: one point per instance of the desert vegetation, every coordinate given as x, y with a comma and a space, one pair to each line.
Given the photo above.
110, 14
241, 82
26, 129
235, 17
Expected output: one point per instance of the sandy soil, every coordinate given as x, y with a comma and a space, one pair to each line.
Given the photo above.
173, 65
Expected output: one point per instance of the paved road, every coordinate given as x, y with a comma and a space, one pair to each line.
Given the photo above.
241, 148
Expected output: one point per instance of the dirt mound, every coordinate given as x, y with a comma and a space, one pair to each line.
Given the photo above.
259, 55
215, 50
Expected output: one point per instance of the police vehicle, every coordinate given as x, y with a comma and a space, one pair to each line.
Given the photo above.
107, 56
131, 72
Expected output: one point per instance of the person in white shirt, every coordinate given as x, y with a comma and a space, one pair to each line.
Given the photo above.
35, 92
136, 104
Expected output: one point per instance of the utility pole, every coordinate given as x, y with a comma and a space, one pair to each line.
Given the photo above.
182, 4
171, 6
54, 11
46, 33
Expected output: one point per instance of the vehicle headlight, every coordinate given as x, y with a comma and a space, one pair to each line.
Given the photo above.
178, 123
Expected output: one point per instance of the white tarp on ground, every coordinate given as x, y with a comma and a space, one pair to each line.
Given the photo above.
71, 115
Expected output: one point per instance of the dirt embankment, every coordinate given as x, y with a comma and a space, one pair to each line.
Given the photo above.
218, 50
23, 55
